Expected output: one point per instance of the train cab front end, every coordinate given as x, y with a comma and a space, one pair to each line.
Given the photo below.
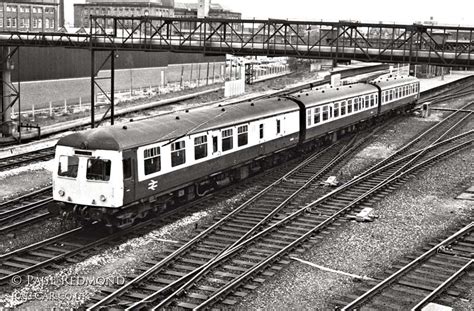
88, 182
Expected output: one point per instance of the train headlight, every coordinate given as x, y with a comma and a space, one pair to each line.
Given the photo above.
61, 193
103, 198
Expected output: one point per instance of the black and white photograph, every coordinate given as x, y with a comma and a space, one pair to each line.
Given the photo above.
236, 155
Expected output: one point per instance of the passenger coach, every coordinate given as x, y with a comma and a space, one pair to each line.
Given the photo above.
123, 172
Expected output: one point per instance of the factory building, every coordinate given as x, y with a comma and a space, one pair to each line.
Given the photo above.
27, 15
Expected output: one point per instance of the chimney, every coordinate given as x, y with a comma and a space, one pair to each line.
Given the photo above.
61, 13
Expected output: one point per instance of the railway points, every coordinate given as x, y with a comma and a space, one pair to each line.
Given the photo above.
283, 262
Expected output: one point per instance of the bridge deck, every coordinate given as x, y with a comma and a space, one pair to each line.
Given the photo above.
440, 45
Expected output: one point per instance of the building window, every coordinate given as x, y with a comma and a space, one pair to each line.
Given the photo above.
178, 153
1, 22
200, 147
40, 23
152, 160
52, 23
242, 135
27, 23
40, 10
317, 116
227, 140
14, 22
261, 131
35, 10
278, 126
9, 22
46, 23
22, 22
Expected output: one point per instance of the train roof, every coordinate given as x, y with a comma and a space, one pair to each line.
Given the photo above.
332, 94
175, 125
326, 95
389, 82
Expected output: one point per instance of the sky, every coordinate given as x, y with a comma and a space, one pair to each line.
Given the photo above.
454, 12
400, 11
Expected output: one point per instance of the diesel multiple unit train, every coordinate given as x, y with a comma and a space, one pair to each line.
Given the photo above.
120, 173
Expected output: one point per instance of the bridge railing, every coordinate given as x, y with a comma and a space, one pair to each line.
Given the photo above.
441, 45
444, 45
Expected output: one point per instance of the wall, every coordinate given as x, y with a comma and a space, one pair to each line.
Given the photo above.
60, 63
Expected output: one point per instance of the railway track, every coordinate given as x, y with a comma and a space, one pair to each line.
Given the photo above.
183, 264
26, 158
419, 281
25, 210
76, 242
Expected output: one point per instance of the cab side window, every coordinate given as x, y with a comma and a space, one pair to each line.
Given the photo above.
127, 168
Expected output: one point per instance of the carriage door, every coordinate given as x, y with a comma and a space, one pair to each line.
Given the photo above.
129, 176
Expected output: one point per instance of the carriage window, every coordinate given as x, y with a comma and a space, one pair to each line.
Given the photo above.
68, 166
349, 108
227, 140
278, 126
127, 168
391, 95
367, 102
309, 116
98, 169
361, 103
261, 131
152, 160
343, 108
200, 147
242, 135
356, 104
325, 113
336, 110
178, 153
317, 116
214, 144
372, 100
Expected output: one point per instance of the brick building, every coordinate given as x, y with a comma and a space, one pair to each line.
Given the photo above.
203, 9
82, 11
29, 15
214, 10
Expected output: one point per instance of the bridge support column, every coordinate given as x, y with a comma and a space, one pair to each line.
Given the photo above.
6, 92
